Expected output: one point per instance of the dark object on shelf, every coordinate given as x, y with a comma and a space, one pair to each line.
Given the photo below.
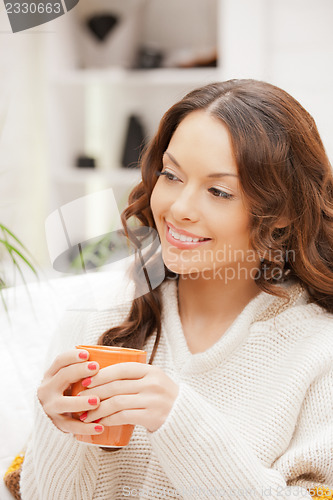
101, 25
149, 58
111, 37
85, 162
134, 144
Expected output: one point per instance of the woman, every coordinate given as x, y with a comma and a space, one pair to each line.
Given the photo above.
237, 399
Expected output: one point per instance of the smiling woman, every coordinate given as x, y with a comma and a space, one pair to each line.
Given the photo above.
236, 400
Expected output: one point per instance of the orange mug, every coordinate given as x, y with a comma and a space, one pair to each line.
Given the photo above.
114, 436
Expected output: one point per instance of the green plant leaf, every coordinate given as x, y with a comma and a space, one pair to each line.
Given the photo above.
12, 235
4, 302
14, 253
12, 249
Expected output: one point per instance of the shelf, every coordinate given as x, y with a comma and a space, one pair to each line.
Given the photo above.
82, 175
89, 104
114, 76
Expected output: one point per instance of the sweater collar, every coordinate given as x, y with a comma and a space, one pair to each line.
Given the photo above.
234, 336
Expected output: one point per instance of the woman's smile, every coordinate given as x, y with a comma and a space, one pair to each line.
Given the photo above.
181, 240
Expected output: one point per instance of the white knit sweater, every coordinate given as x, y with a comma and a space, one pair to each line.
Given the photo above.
253, 418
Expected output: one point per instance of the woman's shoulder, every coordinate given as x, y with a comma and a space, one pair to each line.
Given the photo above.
296, 306
300, 320
99, 301
299, 330
98, 291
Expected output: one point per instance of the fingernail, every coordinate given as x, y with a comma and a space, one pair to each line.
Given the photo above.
92, 366
98, 428
83, 416
92, 401
86, 382
83, 355
98, 420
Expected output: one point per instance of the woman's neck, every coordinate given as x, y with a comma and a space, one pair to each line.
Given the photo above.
212, 301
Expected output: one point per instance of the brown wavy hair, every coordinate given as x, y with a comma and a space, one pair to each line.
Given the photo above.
284, 174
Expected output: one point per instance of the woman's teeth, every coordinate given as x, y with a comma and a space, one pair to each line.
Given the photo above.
182, 237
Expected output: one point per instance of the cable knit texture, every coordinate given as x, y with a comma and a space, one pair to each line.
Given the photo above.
253, 417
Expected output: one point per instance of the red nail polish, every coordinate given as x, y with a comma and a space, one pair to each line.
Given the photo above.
83, 416
92, 401
86, 382
92, 366
98, 420
98, 428
83, 355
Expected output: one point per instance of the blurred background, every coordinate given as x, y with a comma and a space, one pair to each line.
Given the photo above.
81, 94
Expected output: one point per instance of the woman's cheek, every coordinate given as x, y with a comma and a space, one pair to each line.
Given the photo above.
156, 202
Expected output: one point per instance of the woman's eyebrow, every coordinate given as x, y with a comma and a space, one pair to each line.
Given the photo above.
215, 175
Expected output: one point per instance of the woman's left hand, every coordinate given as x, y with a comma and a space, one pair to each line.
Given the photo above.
131, 393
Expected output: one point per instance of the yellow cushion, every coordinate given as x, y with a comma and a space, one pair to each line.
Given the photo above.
321, 493
16, 464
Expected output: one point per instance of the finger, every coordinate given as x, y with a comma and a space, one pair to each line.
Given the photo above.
71, 425
74, 373
75, 404
125, 417
114, 388
65, 359
116, 404
120, 371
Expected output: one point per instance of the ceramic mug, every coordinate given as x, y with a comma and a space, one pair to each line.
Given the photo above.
115, 436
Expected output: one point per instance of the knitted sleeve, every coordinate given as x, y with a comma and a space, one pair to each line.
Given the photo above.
308, 462
56, 465
203, 454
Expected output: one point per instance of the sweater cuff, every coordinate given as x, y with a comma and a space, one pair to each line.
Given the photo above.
203, 454
56, 465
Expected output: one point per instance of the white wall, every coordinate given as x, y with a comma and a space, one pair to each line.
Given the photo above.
288, 43
301, 45
22, 134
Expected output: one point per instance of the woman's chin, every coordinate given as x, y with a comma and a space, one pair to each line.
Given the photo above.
174, 268
182, 266
182, 269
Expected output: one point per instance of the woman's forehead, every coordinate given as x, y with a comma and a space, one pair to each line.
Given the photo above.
202, 139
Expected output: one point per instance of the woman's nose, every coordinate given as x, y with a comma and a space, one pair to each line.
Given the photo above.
186, 206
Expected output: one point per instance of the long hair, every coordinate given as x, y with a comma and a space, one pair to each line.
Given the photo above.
284, 175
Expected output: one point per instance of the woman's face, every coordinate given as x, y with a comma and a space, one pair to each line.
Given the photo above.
199, 193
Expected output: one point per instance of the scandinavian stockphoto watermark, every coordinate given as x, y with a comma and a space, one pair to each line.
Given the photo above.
25, 14
227, 263
229, 254
196, 492
86, 236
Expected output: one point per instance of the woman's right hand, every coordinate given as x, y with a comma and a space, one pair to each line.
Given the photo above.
67, 368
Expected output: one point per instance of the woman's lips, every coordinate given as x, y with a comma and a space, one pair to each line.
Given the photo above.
185, 233
182, 244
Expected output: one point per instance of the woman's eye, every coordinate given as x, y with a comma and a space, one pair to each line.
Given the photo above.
168, 175
217, 193
220, 194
